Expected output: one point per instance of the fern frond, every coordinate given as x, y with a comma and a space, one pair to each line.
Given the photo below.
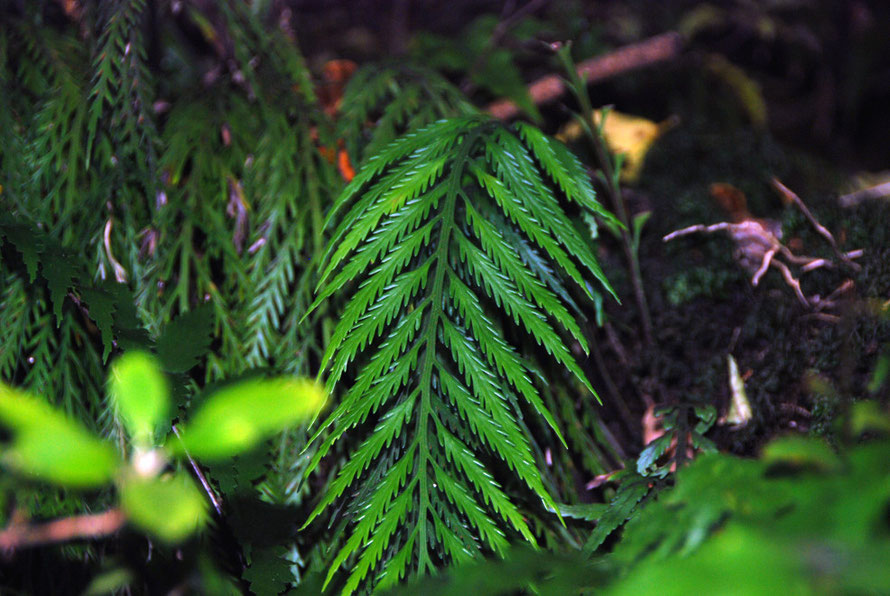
15, 319
427, 339
59, 144
285, 172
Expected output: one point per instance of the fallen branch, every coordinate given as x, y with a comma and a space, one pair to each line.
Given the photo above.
18, 535
874, 192
645, 53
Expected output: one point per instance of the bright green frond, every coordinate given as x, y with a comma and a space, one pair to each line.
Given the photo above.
451, 237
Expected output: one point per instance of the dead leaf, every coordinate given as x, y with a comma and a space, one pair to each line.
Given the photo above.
625, 134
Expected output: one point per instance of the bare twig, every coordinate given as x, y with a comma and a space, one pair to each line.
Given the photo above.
822, 230
660, 48
19, 535
698, 229
757, 242
792, 281
211, 494
767, 259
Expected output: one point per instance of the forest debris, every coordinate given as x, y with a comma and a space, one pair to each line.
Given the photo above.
645, 53
237, 208
120, 274
740, 408
823, 231
335, 74
759, 247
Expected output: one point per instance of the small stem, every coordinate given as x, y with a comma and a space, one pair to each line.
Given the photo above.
201, 477
630, 423
613, 189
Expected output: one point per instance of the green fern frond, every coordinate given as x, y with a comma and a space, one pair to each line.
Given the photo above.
278, 247
120, 85
15, 319
60, 122
428, 229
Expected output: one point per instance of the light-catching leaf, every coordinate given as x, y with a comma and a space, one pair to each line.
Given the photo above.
239, 417
168, 508
49, 446
140, 394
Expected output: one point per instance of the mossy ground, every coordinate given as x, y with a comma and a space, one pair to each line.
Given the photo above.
800, 366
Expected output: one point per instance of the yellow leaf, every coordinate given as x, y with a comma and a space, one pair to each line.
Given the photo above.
625, 134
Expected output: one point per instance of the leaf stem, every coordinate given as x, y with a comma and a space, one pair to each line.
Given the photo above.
612, 187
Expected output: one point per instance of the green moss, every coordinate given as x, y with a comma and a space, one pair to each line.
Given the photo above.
699, 282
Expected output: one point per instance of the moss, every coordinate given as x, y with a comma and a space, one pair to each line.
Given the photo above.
699, 282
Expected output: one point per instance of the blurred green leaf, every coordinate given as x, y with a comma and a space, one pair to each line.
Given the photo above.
521, 571
737, 561
47, 445
111, 581
867, 416
801, 452
170, 508
239, 417
632, 490
585, 511
881, 373
709, 489
140, 394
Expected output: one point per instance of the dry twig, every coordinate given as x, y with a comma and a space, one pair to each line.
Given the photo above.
19, 535
645, 53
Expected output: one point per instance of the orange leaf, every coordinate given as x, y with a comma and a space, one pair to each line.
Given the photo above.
345, 166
